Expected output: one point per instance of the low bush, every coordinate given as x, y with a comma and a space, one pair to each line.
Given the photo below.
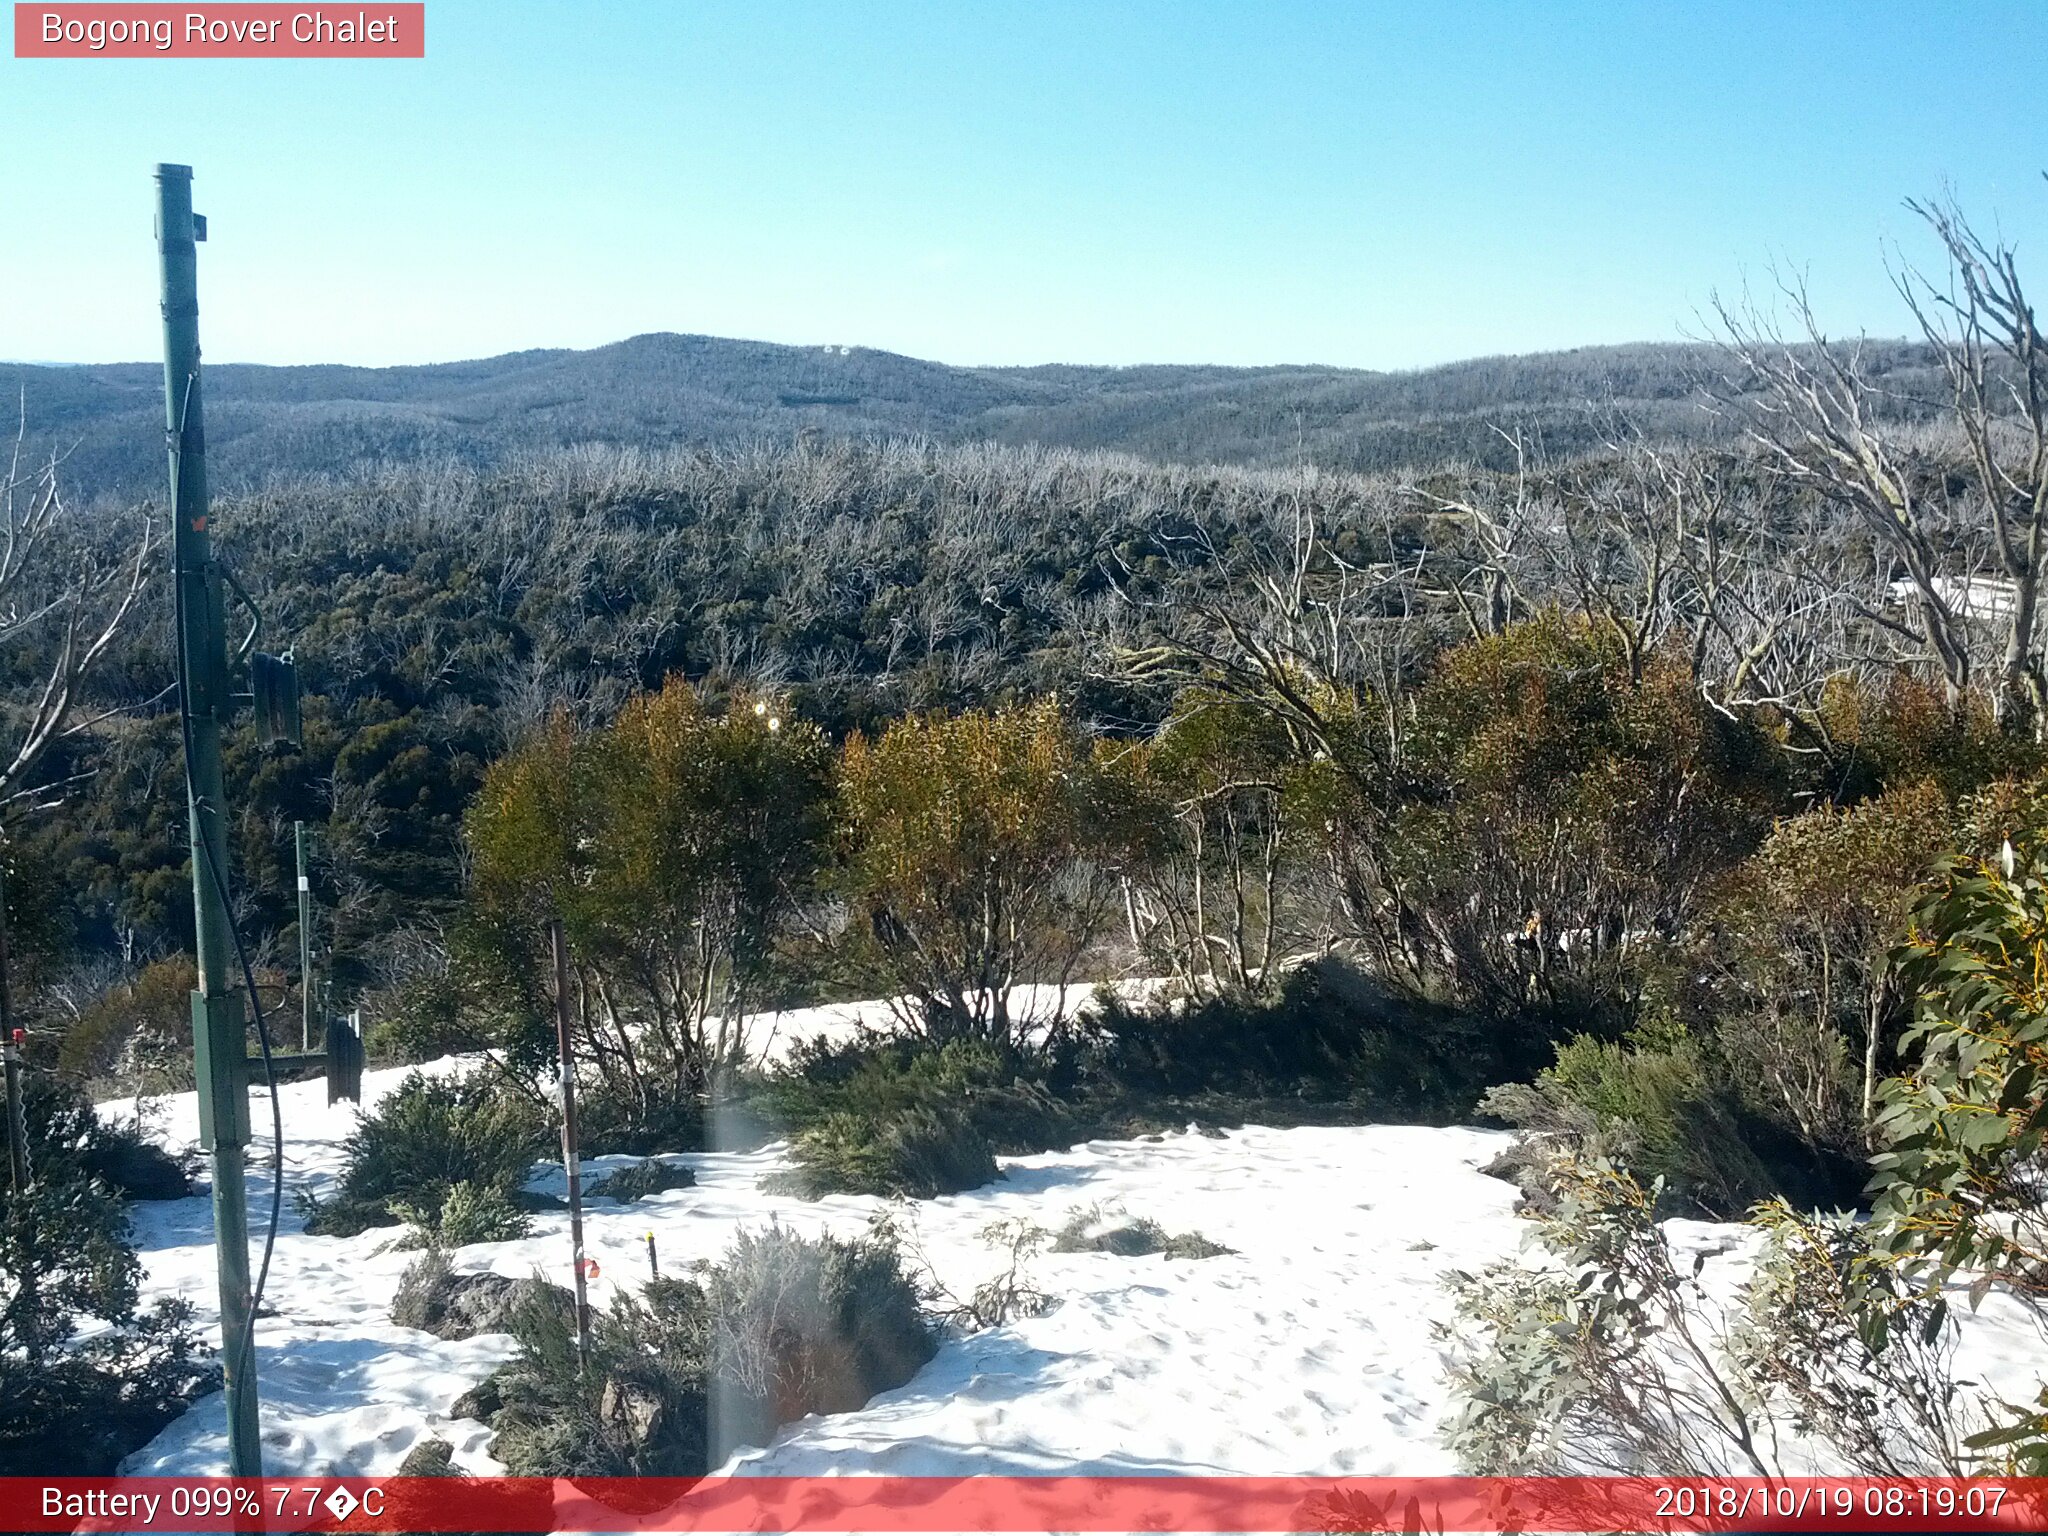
72, 1407
425, 1138
1090, 1231
886, 1116
610, 1122
649, 1176
67, 1139
681, 1373
801, 1326
1659, 1104
1606, 1356
468, 1213
1329, 1036
919, 1151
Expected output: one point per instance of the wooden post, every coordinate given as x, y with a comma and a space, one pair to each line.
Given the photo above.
10, 1050
571, 1162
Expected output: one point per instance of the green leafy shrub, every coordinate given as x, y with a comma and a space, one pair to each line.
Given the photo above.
1659, 1103
426, 1137
919, 1151
1904, 731
1329, 1036
978, 851
1960, 1178
468, 1213
72, 1407
1567, 801
1605, 1356
68, 1140
1791, 971
886, 1116
610, 1120
649, 1176
154, 1002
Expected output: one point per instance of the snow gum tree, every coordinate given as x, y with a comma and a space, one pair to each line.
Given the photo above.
674, 845
979, 852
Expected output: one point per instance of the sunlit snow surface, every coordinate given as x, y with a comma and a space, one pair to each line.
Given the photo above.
1309, 1351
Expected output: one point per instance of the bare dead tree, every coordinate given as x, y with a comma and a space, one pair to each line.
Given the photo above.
68, 594
1992, 352
1965, 550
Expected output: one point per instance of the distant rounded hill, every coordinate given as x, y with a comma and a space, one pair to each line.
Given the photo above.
667, 390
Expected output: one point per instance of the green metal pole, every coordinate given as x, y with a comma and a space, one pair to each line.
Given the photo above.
305, 940
220, 1045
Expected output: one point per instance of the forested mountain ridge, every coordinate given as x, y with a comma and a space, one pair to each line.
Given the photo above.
667, 390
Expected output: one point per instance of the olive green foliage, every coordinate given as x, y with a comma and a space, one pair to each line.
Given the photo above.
1325, 1037
1902, 731
430, 1135
1223, 876
673, 844
1567, 804
150, 1011
685, 1370
979, 853
1605, 1356
72, 1406
919, 1151
903, 1117
1961, 1184
468, 1213
1660, 1104
1791, 966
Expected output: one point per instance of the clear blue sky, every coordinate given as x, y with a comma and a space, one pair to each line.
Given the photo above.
1370, 184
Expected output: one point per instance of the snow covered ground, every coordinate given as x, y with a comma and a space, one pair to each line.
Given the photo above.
1309, 1351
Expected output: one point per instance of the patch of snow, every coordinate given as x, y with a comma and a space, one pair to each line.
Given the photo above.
1307, 1351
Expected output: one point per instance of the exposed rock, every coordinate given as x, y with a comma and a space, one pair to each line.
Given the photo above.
459, 1306
633, 1411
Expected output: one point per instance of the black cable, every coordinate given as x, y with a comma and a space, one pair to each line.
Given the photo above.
246, 1350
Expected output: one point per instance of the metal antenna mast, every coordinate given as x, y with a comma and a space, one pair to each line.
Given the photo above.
219, 1042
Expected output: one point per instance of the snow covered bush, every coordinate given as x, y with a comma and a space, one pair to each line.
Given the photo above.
1607, 1354
423, 1139
802, 1326
1089, 1229
72, 1406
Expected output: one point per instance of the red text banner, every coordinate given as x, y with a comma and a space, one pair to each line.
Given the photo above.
231, 31
1023, 1504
